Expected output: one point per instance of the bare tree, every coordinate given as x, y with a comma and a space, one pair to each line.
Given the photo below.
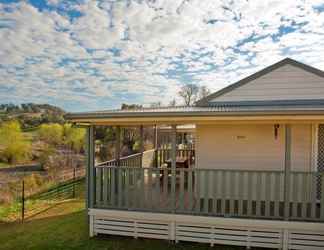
203, 92
155, 104
173, 103
188, 93
125, 106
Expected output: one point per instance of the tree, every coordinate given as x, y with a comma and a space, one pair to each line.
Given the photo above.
188, 92
15, 147
51, 133
125, 106
173, 103
155, 104
74, 137
47, 152
203, 92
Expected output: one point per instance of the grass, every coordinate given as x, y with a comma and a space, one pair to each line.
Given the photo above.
10, 212
3, 165
64, 226
40, 201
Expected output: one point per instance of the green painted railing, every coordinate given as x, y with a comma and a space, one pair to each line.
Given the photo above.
227, 193
162, 155
133, 160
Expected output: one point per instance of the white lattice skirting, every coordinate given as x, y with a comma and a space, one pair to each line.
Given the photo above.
213, 230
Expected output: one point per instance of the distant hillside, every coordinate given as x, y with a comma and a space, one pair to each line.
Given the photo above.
31, 115
29, 108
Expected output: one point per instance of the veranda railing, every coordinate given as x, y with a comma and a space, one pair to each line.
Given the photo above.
133, 160
228, 193
161, 156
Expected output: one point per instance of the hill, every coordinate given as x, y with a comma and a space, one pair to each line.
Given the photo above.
31, 115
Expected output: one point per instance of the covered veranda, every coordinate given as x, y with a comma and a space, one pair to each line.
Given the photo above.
124, 186
172, 182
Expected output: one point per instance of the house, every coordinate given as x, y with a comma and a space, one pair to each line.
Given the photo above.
256, 178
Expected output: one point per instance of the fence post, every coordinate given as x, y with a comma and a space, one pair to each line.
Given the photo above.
73, 194
23, 200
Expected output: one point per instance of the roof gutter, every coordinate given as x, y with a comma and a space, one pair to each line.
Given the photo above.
195, 114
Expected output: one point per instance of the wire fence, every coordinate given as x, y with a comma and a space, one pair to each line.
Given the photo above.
39, 202
32, 193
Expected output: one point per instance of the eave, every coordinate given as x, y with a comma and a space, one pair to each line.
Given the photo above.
204, 118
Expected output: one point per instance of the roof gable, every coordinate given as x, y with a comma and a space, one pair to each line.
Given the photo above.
233, 89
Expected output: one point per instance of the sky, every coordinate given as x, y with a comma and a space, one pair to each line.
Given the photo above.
94, 55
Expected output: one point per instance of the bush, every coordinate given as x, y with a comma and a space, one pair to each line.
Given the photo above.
46, 154
33, 182
137, 146
74, 137
15, 147
51, 133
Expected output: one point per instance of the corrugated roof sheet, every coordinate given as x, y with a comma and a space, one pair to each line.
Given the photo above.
215, 110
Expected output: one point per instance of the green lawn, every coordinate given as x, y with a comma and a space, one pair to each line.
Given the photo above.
3, 165
64, 227
10, 212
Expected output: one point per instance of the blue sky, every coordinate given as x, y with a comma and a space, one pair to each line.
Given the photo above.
91, 55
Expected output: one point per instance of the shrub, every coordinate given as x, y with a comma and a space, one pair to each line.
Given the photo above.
15, 146
51, 133
74, 137
46, 154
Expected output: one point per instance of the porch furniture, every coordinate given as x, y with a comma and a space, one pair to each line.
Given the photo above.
163, 155
181, 162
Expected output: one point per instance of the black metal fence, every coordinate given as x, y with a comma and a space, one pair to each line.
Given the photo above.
26, 193
36, 203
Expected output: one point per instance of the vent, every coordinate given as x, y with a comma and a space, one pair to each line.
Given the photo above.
133, 228
306, 240
228, 236
300, 236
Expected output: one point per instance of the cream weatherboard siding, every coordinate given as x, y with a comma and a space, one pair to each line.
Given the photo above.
252, 147
285, 83
301, 148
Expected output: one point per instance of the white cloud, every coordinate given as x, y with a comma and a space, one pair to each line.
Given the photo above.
45, 55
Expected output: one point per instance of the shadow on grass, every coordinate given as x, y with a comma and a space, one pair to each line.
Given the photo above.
13, 213
34, 207
65, 227
43, 211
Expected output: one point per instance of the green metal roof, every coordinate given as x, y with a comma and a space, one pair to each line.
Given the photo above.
243, 108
